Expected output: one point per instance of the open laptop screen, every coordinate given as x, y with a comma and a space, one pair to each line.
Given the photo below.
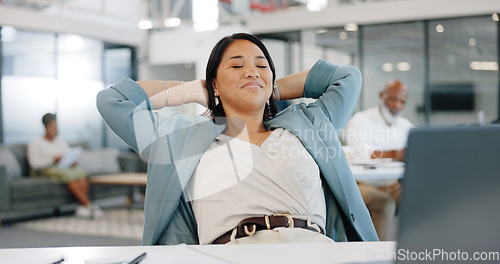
450, 202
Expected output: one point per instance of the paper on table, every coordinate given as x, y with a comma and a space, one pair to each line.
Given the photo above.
369, 161
70, 157
382, 163
166, 255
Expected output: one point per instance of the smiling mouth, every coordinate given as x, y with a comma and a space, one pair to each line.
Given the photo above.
252, 85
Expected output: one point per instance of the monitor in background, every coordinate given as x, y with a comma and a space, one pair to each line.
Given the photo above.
451, 194
452, 97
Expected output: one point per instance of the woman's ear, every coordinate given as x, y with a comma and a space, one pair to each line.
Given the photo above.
214, 86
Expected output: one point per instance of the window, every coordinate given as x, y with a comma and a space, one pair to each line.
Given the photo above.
57, 73
463, 82
395, 51
29, 88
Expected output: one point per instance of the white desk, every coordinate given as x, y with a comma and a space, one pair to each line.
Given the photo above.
377, 169
350, 252
371, 173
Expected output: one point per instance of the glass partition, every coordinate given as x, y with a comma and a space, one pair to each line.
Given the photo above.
28, 53
339, 46
463, 71
395, 51
117, 64
79, 80
450, 66
58, 73
29, 88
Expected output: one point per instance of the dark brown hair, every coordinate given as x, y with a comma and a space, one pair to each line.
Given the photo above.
47, 118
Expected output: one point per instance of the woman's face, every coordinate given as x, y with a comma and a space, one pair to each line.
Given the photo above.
51, 129
244, 79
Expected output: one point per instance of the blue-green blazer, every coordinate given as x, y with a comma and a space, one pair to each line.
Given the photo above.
173, 146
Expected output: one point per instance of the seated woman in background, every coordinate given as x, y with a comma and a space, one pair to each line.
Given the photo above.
245, 174
44, 154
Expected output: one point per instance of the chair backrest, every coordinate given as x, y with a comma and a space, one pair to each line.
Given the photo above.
451, 191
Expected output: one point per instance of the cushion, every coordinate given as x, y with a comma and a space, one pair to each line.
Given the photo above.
20, 151
100, 161
10, 162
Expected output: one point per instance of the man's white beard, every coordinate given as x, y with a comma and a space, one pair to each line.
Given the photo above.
389, 117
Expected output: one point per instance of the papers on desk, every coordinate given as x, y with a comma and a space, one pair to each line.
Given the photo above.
165, 255
69, 158
382, 163
377, 172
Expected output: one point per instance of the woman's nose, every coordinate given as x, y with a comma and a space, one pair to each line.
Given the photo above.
252, 72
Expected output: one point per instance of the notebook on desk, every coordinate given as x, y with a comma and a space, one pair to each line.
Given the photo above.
450, 202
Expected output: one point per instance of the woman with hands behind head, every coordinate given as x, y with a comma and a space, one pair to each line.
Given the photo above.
245, 174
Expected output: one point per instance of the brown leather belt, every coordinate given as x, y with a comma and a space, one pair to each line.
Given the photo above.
248, 226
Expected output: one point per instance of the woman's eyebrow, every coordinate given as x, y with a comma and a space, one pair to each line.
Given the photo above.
260, 57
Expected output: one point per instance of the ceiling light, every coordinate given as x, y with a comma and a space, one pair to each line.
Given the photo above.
351, 27
484, 65
387, 67
8, 34
343, 35
172, 22
403, 66
495, 17
440, 28
321, 31
145, 24
316, 5
205, 15
72, 43
472, 42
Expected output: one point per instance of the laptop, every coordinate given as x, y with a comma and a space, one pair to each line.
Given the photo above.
450, 204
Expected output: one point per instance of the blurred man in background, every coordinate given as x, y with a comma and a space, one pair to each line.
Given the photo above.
381, 132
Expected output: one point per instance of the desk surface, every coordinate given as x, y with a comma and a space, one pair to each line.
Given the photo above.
361, 172
378, 171
350, 252
131, 178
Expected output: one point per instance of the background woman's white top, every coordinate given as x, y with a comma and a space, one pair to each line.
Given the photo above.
42, 152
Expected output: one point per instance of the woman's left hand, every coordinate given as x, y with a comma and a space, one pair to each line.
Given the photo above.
204, 96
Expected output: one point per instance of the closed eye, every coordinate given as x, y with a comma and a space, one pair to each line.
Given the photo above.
263, 66
237, 66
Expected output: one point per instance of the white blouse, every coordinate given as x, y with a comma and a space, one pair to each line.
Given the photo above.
42, 152
236, 179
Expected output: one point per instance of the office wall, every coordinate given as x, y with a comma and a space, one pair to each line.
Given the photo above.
186, 46
108, 20
165, 52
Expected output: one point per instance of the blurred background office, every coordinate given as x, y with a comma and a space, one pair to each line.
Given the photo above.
56, 55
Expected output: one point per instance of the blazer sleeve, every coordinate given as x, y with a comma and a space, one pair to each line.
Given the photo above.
127, 110
337, 89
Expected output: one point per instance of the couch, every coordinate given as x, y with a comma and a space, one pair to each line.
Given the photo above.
24, 197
